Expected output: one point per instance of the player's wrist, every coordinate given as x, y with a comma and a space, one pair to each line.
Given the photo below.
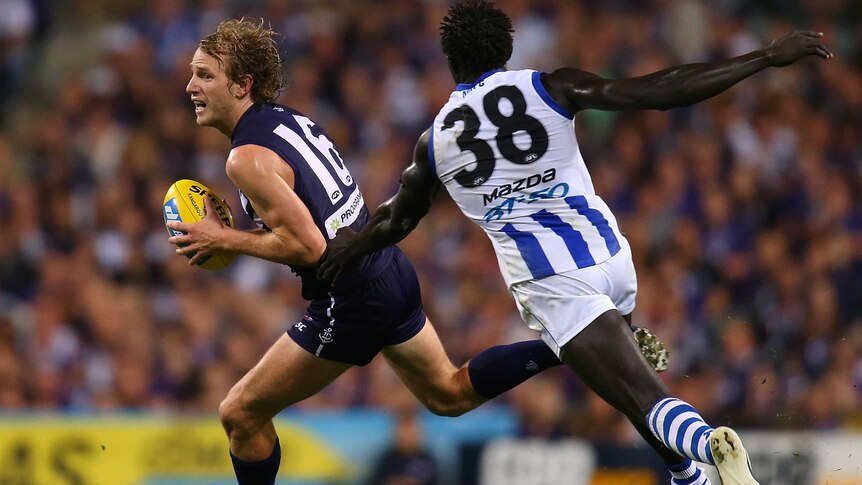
233, 240
768, 54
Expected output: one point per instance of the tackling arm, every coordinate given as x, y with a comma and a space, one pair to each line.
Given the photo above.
391, 222
680, 85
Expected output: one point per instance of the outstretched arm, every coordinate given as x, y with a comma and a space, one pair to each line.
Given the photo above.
391, 222
677, 86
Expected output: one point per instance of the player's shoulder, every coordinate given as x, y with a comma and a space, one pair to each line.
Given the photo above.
513, 76
259, 124
251, 160
261, 112
510, 73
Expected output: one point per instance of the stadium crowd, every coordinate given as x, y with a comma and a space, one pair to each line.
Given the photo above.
744, 212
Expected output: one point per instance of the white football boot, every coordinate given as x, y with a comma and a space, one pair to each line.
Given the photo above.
731, 459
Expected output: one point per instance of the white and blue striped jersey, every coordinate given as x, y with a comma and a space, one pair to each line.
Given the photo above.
508, 155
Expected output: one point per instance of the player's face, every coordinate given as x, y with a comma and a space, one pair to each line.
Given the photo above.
209, 88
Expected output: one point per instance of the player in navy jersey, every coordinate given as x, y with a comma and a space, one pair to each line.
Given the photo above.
295, 186
504, 147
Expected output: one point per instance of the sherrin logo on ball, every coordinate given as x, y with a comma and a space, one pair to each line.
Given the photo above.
184, 202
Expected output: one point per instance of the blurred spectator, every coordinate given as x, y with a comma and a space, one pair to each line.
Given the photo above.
406, 462
17, 27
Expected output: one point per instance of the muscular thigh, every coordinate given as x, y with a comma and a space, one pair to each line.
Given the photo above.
424, 367
606, 357
285, 375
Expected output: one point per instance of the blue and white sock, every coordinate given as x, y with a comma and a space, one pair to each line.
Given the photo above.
686, 473
679, 426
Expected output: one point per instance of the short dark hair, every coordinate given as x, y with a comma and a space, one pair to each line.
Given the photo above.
476, 37
243, 47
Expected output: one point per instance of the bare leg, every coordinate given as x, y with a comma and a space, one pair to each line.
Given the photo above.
606, 357
422, 364
424, 367
285, 375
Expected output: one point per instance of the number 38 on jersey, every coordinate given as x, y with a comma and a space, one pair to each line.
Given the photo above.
520, 138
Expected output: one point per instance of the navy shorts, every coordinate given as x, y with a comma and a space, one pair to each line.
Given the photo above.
358, 320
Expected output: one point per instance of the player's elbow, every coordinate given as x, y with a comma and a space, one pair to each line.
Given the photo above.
406, 226
303, 250
309, 254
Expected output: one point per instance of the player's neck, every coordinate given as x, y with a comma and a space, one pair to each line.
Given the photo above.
239, 110
473, 78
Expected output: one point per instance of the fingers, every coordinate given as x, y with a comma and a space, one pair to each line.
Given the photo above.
179, 226
330, 274
321, 265
329, 271
194, 252
180, 240
209, 205
336, 276
196, 257
186, 244
814, 43
184, 250
188, 249
324, 272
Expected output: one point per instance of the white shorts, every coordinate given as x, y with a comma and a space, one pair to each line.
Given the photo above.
561, 305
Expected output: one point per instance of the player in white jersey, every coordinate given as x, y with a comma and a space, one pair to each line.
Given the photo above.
504, 147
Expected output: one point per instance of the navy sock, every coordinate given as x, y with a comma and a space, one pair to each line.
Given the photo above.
498, 369
258, 472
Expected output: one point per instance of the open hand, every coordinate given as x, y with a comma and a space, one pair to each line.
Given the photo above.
795, 46
338, 255
201, 238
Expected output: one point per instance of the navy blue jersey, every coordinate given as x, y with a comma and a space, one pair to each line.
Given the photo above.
322, 181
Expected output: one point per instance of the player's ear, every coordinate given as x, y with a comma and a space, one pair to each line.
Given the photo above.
243, 87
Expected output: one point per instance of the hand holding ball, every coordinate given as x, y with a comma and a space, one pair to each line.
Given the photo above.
193, 216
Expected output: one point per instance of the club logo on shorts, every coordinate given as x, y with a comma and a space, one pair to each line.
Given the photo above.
326, 336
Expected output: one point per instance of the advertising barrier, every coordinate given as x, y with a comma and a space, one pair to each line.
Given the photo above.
319, 447
777, 458
341, 448
134, 452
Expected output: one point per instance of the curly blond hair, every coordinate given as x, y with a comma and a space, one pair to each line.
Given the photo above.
243, 47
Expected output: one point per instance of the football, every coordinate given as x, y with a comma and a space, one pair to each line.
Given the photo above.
184, 202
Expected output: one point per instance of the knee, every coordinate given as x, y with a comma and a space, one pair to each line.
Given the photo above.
451, 408
451, 401
229, 414
453, 397
235, 415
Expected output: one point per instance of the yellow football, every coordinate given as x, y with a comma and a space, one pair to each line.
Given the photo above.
184, 202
